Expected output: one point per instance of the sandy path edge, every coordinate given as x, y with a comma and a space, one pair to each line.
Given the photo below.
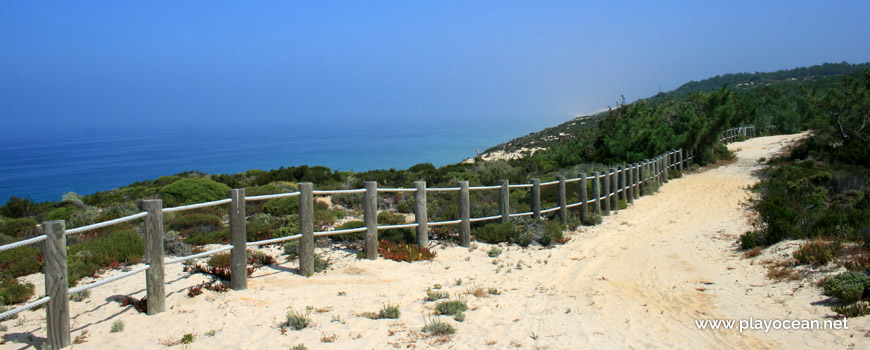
639, 280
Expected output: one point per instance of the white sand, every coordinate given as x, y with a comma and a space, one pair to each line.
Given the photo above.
639, 280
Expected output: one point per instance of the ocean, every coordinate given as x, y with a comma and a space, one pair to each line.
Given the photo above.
44, 166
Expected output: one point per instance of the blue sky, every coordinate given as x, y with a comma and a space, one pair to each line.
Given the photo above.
105, 65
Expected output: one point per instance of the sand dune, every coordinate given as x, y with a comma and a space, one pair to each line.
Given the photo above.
639, 280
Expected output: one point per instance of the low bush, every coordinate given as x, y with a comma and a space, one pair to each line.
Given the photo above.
297, 320
346, 237
621, 204
435, 328
323, 219
675, 174
816, 252
282, 206
193, 190
120, 247
21, 261
291, 248
849, 286
62, 213
856, 309
21, 227
219, 236
751, 239
387, 311
321, 264
13, 292
404, 252
650, 187
433, 295
494, 252
202, 222
591, 220
117, 326
398, 235
450, 307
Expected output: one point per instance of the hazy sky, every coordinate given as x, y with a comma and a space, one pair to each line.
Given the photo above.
77, 65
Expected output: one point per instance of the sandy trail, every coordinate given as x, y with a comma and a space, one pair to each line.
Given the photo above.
639, 280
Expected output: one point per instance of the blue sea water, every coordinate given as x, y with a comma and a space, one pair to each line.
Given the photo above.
45, 166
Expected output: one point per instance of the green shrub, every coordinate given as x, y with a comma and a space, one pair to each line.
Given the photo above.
297, 320
543, 231
675, 174
496, 232
194, 220
282, 206
650, 187
621, 204
219, 236
80, 296
493, 252
13, 292
591, 220
387, 311
117, 326
291, 248
321, 264
432, 295
110, 213
120, 247
435, 328
450, 307
356, 236
323, 219
849, 286
816, 252
751, 239
62, 213
220, 260
856, 309
193, 190
19, 208
23, 227
20, 261
398, 235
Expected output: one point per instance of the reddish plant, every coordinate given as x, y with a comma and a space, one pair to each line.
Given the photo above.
404, 252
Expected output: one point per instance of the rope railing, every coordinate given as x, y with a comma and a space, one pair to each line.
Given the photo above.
387, 227
443, 189
528, 213
520, 186
548, 183
448, 222
22, 243
330, 192
28, 306
273, 240
266, 197
339, 232
494, 187
197, 206
197, 255
108, 280
106, 223
397, 189
486, 218
550, 210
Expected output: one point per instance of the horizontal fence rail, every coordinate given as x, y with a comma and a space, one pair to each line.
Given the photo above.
622, 183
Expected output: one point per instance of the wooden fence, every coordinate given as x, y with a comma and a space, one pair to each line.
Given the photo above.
607, 188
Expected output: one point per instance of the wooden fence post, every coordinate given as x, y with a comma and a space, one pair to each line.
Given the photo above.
504, 201
584, 208
606, 193
56, 284
536, 198
629, 183
562, 195
421, 213
238, 238
681, 160
666, 166
622, 184
637, 178
614, 187
596, 192
464, 215
154, 278
370, 216
306, 228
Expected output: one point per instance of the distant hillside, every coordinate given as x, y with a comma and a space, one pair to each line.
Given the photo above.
738, 81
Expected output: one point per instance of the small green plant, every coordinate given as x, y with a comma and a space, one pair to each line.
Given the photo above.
13, 292
389, 311
432, 295
494, 252
460, 316
450, 307
298, 347
591, 220
291, 248
458, 281
817, 252
210, 333
493, 291
297, 320
848, 286
856, 309
187, 338
435, 327
436, 286
321, 264
80, 296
